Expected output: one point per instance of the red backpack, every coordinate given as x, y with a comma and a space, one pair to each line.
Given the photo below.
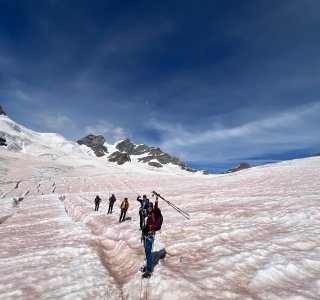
158, 222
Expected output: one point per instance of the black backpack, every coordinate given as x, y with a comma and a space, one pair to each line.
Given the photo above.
145, 204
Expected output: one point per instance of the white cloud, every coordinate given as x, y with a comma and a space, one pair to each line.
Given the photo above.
283, 131
21, 95
111, 132
54, 122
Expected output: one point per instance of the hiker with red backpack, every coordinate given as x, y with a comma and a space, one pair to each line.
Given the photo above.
152, 223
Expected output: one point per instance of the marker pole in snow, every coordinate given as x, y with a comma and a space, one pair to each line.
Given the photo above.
179, 210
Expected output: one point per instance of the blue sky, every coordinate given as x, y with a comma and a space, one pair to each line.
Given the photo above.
215, 83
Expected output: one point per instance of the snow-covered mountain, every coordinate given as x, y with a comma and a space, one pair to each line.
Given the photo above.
15, 137
21, 139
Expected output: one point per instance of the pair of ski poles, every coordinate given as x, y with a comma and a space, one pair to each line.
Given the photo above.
179, 210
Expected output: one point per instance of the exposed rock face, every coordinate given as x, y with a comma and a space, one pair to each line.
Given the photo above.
13, 143
3, 142
132, 149
155, 164
126, 146
154, 155
2, 111
96, 143
119, 157
242, 166
141, 149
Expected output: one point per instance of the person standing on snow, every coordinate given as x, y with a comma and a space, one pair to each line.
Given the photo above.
142, 209
148, 232
112, 200
97, 201
124, 207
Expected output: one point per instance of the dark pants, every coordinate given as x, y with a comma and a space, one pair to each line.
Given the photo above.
97, 207
148, 248
122, 215
141, 219
110, 207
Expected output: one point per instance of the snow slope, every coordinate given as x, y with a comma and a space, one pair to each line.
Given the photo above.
20, 138
251, 235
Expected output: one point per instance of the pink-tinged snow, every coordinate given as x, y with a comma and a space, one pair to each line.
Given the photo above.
251, 235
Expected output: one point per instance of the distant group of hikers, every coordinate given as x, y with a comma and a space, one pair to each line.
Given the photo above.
124, 206
150, 221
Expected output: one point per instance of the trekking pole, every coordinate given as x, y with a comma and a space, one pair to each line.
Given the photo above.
186, 215
179, 210
173, 205
176, 207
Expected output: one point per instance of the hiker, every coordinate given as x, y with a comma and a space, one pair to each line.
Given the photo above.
124, 207
142, 209
97, 201
112, 200
148, 232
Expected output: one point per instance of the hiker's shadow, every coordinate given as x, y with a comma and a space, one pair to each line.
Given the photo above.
157, 255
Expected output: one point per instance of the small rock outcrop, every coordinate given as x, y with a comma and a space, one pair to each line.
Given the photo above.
2, 112
3, 142
119, 157
96, 143
242, 166
155, 164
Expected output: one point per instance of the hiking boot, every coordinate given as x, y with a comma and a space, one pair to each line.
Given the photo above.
143, 269
146, 275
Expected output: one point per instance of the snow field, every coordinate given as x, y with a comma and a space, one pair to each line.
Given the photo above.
251, 235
